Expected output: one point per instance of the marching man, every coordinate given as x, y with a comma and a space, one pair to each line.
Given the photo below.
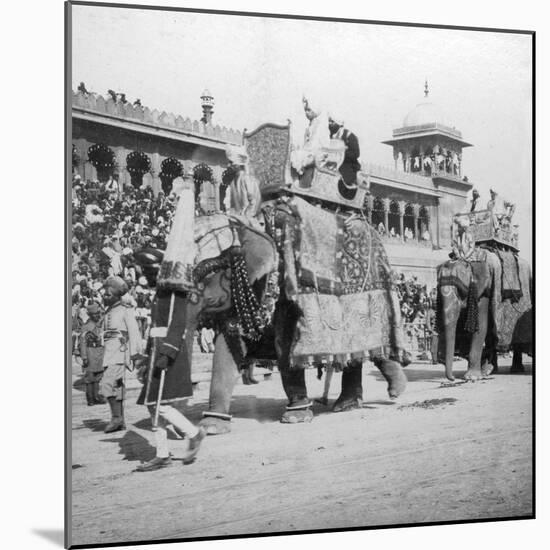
174, 318
122, 346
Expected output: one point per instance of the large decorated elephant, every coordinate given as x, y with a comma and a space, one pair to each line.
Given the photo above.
484, 306
300, 293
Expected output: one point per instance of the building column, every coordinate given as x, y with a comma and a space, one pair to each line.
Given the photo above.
386, 203
416, 212
395, 156
401, 224
434, 227
155, 171
370, 204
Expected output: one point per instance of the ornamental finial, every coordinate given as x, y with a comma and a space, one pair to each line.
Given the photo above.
426, 91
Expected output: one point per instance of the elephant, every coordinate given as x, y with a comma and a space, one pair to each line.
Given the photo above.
253, 274
479, 314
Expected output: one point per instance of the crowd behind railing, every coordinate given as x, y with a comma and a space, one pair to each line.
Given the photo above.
110, 223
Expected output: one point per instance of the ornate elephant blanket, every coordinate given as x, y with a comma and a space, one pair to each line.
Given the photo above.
338, 273
510, 280
513, 316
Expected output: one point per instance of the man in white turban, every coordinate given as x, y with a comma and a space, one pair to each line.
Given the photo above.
315, 139
244, 190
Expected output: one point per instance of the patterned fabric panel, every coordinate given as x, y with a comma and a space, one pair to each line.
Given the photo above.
341, 327
335, 259
514, 319
268, 152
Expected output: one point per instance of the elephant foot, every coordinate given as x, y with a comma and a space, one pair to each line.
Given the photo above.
486, 370
394, 375
517, 369
348, 404
472, 375
295, 416
214, 425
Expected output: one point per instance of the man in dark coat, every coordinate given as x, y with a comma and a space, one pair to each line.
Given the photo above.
171, 343
350, 166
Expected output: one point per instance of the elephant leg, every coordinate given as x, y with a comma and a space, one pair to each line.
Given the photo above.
489, 361
394, 374
351, 396
298, 408
517, 361
294, 380
477, 343
451, 312
217, 419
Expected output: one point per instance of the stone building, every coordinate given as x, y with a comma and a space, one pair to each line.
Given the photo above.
412, 204
164, 143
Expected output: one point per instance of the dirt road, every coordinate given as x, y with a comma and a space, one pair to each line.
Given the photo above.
437, 453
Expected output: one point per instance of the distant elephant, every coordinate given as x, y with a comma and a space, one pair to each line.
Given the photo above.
252, 273
479, 315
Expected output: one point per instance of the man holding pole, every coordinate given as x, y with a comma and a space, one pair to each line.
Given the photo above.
168, 381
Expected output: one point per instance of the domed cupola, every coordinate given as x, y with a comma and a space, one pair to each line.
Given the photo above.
427, 143
425, 112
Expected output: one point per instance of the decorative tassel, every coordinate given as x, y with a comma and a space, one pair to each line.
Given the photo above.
471, 323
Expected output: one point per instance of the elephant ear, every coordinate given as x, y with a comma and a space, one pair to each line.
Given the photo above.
259, 250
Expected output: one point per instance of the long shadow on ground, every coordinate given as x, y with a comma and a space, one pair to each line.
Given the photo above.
133, 446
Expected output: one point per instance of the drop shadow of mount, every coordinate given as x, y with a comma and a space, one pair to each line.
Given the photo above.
57, 536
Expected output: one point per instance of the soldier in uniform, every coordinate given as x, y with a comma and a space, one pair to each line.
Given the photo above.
123, 345
91, 352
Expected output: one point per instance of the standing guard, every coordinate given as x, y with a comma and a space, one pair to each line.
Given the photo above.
91, 351
122, 345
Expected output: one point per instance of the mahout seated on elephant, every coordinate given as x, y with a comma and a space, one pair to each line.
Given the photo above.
484, 307
250, 287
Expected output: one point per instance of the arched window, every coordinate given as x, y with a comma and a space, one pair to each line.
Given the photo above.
170, 169
378, 214
408, 222
393, 219
205, 192
137, 164
102, 158
424, 224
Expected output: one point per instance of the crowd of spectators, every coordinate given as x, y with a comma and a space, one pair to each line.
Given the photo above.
109, 224
418, 312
